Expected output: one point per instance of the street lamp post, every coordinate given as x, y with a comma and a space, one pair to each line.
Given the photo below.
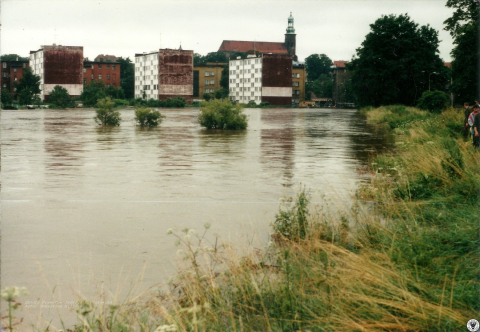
429, 79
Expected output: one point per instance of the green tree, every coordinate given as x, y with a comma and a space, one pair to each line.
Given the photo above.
28, 87
206, 96
433, 101
316, 65
60, 97
146, 117
221, 114
322, 87
106, 114
12, 57
92, 92
463, 27
210, 57
7, 97
224, 78
114, 93
127, 77
395, 62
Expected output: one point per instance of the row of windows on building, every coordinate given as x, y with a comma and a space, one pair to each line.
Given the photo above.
209, 90
146, 57
249, 98
100, 77
248, 89
246, 62
247, 80
211, 82
246, 71
148, 77
209, 73
99, 67
14, 69
147, 87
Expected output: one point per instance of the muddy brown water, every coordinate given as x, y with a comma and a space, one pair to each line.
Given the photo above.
85, 207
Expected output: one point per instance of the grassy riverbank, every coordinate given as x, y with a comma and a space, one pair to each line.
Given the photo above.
403, 258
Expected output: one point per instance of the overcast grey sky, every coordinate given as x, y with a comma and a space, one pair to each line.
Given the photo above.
126, 27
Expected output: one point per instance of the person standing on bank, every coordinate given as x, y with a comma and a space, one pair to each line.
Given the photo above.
466, 113
476, 126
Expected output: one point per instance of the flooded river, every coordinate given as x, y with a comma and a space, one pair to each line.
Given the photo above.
82, 205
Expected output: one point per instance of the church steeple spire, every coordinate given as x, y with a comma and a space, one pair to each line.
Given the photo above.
290, 28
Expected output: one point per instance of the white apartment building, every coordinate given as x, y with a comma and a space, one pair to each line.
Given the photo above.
245, 78
36, 64
146, 75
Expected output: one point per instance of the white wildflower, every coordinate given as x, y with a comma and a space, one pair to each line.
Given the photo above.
12, 293
170, 231
206, 225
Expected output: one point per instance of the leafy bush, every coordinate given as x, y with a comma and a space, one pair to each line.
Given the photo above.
292, 223
106, 114
59, 97
433, 101
207, 96
146, 117
7, 97
121, 102
221, 114
264, 104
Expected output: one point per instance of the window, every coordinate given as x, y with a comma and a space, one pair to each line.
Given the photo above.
4, 74
207, 73
296, 83
113, 67
252, 93
237, 85
293, 75
99, 66
241, 81
253, 84
108, 76
24, 65
298, 75
84, 70
206, 82
253, 75
108, 66
212, 82
297, 92
14, 70
241, 71
99, 76
92, 77
4, 65
4, 85
84, 81
256, 70
15, 78
241, 89
212, 73
93, 67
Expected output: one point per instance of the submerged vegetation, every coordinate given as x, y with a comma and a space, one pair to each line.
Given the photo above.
404, 257
221, 114
146, 117
106, 114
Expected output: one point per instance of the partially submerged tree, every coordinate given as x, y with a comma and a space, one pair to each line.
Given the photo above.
106, 114
147, 117
221, 114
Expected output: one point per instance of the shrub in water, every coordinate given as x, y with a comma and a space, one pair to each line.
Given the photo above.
433, 101
221, 114
146, 117
106, 114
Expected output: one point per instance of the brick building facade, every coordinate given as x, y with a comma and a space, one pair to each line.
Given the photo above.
58, 65
108, 72
340, 76
298, 82
12, 71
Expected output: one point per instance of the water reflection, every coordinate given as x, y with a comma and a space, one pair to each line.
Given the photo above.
99, 200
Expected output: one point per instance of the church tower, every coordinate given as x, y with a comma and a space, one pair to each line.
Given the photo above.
290, 38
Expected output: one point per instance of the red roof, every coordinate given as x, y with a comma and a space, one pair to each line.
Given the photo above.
244, 46
340, 64
447, 64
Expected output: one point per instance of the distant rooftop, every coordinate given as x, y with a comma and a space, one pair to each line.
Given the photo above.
244, 46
